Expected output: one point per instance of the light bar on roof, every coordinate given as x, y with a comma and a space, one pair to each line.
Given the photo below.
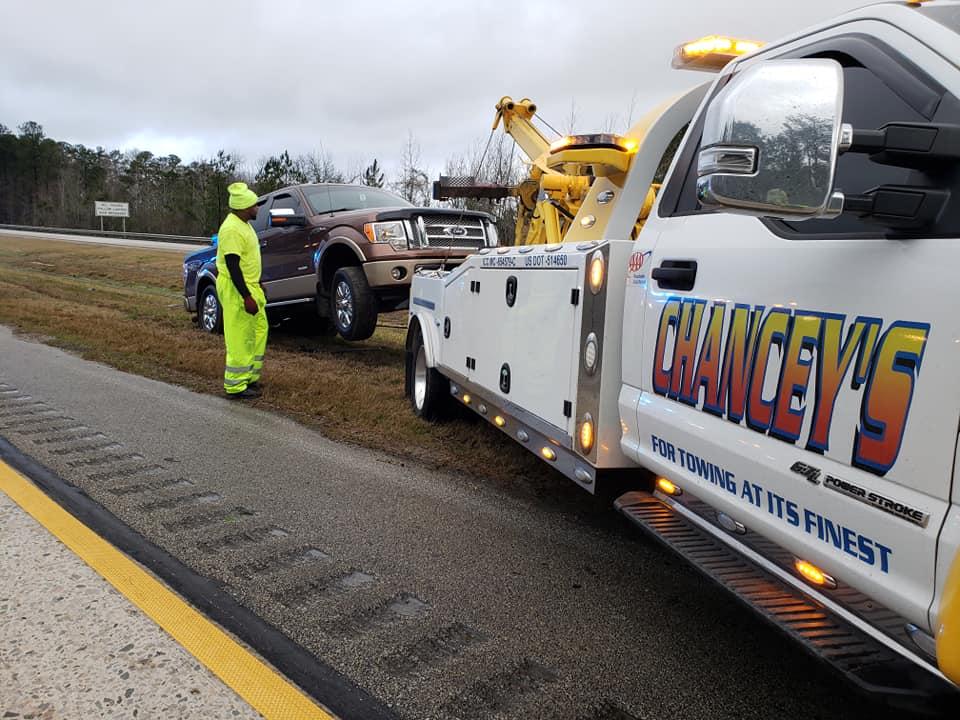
712, 53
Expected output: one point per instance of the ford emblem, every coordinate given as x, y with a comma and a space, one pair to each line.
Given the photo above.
455, 231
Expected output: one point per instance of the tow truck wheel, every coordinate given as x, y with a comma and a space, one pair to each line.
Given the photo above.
353, 306
429, 390
209, 314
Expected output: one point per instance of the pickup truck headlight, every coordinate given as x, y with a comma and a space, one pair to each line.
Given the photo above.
492, 238
392, 232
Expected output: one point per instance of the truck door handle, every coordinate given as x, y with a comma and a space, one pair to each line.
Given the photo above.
676, 274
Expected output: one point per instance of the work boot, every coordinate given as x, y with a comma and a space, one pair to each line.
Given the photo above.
248, 393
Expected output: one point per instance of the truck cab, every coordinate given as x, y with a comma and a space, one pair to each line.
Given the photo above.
783, 338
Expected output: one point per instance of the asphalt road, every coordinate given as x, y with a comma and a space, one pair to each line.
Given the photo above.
443, 597
179, 248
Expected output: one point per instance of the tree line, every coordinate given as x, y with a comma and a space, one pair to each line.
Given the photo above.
49, 183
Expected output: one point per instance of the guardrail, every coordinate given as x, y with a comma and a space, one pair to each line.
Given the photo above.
154, 237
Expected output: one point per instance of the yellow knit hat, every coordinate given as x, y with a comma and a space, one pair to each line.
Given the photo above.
241, 197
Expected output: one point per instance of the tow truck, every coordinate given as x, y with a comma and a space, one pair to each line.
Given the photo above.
775, 348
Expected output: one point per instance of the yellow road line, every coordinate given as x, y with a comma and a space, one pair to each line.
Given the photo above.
267, 692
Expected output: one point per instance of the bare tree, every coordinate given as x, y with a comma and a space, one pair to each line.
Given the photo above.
412, 184
499, 164
319, 167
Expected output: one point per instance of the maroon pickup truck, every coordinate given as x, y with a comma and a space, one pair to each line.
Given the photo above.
345, 252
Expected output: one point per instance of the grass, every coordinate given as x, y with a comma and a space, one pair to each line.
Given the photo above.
123, 307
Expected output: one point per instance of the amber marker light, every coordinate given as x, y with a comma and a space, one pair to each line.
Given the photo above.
813, 575
548, 453
586, 434
466, 399
499, 421
665, 486
597, 272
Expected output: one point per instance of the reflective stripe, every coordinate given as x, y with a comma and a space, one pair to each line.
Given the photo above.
229, 383
258, 358
237, 369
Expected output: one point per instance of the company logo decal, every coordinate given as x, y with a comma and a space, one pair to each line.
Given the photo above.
637, 260
720, 361
864, 495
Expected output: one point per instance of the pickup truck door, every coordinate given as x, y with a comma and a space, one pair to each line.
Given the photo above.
287, 269
801, 377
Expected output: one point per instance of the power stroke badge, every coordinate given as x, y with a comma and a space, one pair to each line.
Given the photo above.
857, 492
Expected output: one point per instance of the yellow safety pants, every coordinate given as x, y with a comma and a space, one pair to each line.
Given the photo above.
245, 336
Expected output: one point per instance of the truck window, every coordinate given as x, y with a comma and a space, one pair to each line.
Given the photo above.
286, 200
318, 198
360, 197
260, 222
870, 101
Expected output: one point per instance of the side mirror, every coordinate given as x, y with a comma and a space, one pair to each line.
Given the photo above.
771, 139
285, 217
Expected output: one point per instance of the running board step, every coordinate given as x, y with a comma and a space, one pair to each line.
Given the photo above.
862, 659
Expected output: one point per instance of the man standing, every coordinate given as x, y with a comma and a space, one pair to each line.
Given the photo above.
241, 297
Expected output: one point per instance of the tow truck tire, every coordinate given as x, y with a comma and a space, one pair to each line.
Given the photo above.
209, 312
429, 390
353, 306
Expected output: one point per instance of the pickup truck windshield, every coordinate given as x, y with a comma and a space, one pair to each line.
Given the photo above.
335, 198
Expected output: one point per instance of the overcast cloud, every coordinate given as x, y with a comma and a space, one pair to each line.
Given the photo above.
257, 77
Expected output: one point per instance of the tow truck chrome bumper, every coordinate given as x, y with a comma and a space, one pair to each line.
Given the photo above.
867, 643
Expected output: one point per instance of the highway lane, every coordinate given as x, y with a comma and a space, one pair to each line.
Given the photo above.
179, 248
442, 597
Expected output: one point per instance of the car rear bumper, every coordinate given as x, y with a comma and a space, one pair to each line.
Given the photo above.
190, 303
380, 274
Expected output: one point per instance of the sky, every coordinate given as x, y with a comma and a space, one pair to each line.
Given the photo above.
353, 78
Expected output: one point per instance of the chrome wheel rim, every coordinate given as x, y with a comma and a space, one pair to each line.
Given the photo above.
420, 378
211, 310
343, 297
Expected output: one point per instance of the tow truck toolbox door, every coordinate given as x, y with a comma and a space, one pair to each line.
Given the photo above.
801, 376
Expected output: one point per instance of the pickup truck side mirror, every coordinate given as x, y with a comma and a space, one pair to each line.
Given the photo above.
285, 217
771, 138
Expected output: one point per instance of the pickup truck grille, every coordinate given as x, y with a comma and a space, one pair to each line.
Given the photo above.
451, 231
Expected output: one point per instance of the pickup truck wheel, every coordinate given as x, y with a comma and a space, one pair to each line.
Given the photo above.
353, 306
429, 390
209, 314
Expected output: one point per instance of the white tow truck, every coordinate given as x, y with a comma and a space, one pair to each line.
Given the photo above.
778, 347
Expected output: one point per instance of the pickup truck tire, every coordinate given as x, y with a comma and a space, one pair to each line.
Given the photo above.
209, 312
353, 306
429, 390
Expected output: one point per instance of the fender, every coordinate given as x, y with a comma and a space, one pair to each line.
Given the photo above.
335, 241
207, 274
429, 331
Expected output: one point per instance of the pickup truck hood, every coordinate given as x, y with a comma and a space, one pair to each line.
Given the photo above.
355, 217
203, 254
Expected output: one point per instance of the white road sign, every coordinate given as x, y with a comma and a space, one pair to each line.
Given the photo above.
112, 209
